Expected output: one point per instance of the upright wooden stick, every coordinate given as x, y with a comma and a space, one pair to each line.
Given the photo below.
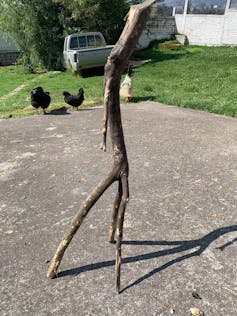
118, 59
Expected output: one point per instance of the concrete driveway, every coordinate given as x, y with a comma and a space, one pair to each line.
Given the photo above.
180, 232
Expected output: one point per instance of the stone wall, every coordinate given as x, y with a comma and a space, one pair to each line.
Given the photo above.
8, 58
157, 28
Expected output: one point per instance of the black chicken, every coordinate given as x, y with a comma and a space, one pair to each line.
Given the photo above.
74, 100
39, 98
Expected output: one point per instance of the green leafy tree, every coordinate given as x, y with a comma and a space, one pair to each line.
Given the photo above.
36, 28
105, 16
39, 27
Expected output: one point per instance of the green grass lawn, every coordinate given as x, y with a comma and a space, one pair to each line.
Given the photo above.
18, 103
203, 78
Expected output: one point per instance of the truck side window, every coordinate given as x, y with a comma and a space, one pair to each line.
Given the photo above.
82, 41
74, 43
99, 41
91, 41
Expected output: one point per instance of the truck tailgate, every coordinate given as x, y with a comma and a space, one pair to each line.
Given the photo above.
93, 57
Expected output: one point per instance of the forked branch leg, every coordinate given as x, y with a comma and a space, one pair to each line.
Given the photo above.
77, 221
117, 201
120, 220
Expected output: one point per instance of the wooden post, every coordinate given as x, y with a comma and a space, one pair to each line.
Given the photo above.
118, 59
186, 2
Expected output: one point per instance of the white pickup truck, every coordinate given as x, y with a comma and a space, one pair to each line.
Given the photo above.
85, 50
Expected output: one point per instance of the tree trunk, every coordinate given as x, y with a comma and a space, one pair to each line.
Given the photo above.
118, 59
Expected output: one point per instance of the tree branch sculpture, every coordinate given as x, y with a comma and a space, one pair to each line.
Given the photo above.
118, 59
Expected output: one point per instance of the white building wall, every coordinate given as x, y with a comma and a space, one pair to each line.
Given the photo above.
229, 35
210, 30
201, 29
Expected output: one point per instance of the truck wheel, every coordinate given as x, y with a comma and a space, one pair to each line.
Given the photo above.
82, 73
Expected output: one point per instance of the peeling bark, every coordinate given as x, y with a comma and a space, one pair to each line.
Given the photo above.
118, 59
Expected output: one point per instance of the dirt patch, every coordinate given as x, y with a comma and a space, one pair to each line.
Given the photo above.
138, 62
16, 90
